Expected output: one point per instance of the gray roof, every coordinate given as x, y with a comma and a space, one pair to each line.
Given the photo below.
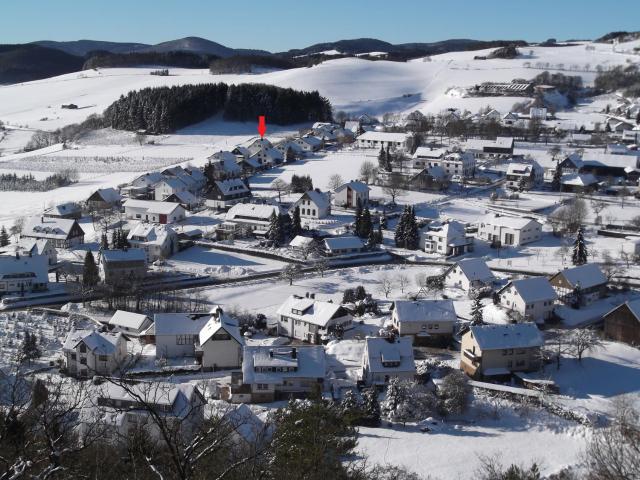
588, 275
379, 350
519, 335
179, 323
100, 343
310, 361
475, 269
533, 289
425, 310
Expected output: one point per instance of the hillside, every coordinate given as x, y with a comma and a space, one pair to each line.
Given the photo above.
200, 45
20, 63
82, 47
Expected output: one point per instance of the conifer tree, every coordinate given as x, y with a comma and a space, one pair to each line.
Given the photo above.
401, 229
371, 406
114, 239
285, 226
580, 252
556, 184
382, 159
357, 223
104, 243
380, 239
30, 349
275, 230
366, 225
4, 237
383, 221
90, 274
296, 222
372, 239
476, 311
412, 235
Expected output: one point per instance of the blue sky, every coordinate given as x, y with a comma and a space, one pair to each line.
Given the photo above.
278, 25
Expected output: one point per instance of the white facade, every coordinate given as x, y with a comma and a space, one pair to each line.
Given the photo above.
155, 212
20, 274
314, 205
446, 239
373, 139
509, 231
89, 352
157, 241
533, 298
168, 187
387, 358
468, 274
351, 194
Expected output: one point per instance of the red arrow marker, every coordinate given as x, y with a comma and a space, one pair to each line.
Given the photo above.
262, 126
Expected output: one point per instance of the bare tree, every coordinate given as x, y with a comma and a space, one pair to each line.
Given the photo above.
291, 272
16, 228
368, 171
394, 186
335, 181
280, 186
402, 280
582, 340
321, 266
386, 285
598, 206
141, 138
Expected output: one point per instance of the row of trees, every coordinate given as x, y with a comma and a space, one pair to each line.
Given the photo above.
407, 234
165, 109
28, 183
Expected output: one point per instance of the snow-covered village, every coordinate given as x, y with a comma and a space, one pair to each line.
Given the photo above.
355, 260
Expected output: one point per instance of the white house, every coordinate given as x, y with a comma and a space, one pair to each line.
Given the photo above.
225, 193
499, 350
64, 210
176, 334
313, 204
155, 212
449, 239
308, 319
509, 231
531, 174
469, 274
90, 352
219, 342
40, 246
386, 358
62, 232
118, 412
425, 321
460, 164
255, 217
129, 323
308, 143
23, 274
225, 164
343, 245
583, 284
271, 373
104, 198
351, 194
123, 267
378, 140
533, 298
167, 187
158, 241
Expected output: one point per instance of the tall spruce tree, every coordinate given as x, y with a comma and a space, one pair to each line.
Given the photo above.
556, 183
382, 159
366, 225
476, 311
401, 229
296, 222
357, 223
104, 243
275, 230
371, 406
580, 251
4, 237
90, 274
412, 235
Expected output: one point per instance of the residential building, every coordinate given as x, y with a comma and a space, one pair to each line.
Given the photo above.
498, 350
526, 175
219, 343
143, 187
579, 183
120, 412
430, 322
91, 352
343, 245
532, 298
580, 285
130, 323
62, 232
462, 164
23, 274
271, 373
428, 179
176, 334
448, 239
123, 267
504, 231
155, 212
309, 143
225, 165
378, 140
351, 194
167, 187
104, 199
251, 216
225, 193
42, 246
622, 324
469, 274
308, 319
158, 241
313, 205
70, 210
387, 358
187, 199
498, 148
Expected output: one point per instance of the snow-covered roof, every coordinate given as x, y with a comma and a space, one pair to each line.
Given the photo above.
352, 125
632, 305
320, 199
311, 140
384, 136
500, 142
300, 241
232, 186
246, 424
49, 227
67, 208
100, 343
34, 266
179, 323
130, 320
151, 234
389, 356
226, 161
309, 310
128, 255
160, 208
109, 195
587, 275
178, 396
148, 179
252, 211
505, 221
220, 321
475, 269
309, 362
35, 246
518, 168
579, 179
533, 289
360, 187
449, 230
498, 337
185, 196
339, 243
425, 311
173, 183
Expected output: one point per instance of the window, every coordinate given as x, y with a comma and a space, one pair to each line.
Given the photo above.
83, 361
73, 356
103, 358
83, 348
520, 363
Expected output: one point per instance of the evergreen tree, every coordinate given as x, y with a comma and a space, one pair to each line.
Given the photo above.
383, 221
476, 311
357, 224
371, 406
296, 222
4, 237
580, 252
360, 293
382, 160
556, 184
366, 225
30, 348
349, 296
90, 274
350, 407
372, 240
104, 243
285, 226
401, 229
380, 239
114, 239
522, 184
394, 398
412, 235
275, 230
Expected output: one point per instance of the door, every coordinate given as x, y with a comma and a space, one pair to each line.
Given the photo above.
163, 218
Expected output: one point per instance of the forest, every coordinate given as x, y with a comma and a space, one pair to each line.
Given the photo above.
166, 109
179, 59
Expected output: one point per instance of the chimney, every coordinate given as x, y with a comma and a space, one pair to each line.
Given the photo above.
17, 256
312, 296
270, 353
294, 353
42, 219
306, 294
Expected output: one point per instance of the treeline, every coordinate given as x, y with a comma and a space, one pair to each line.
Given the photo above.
622, 77
179, 59
247, 64
68, 133
165, 109
568, 85
10, 182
